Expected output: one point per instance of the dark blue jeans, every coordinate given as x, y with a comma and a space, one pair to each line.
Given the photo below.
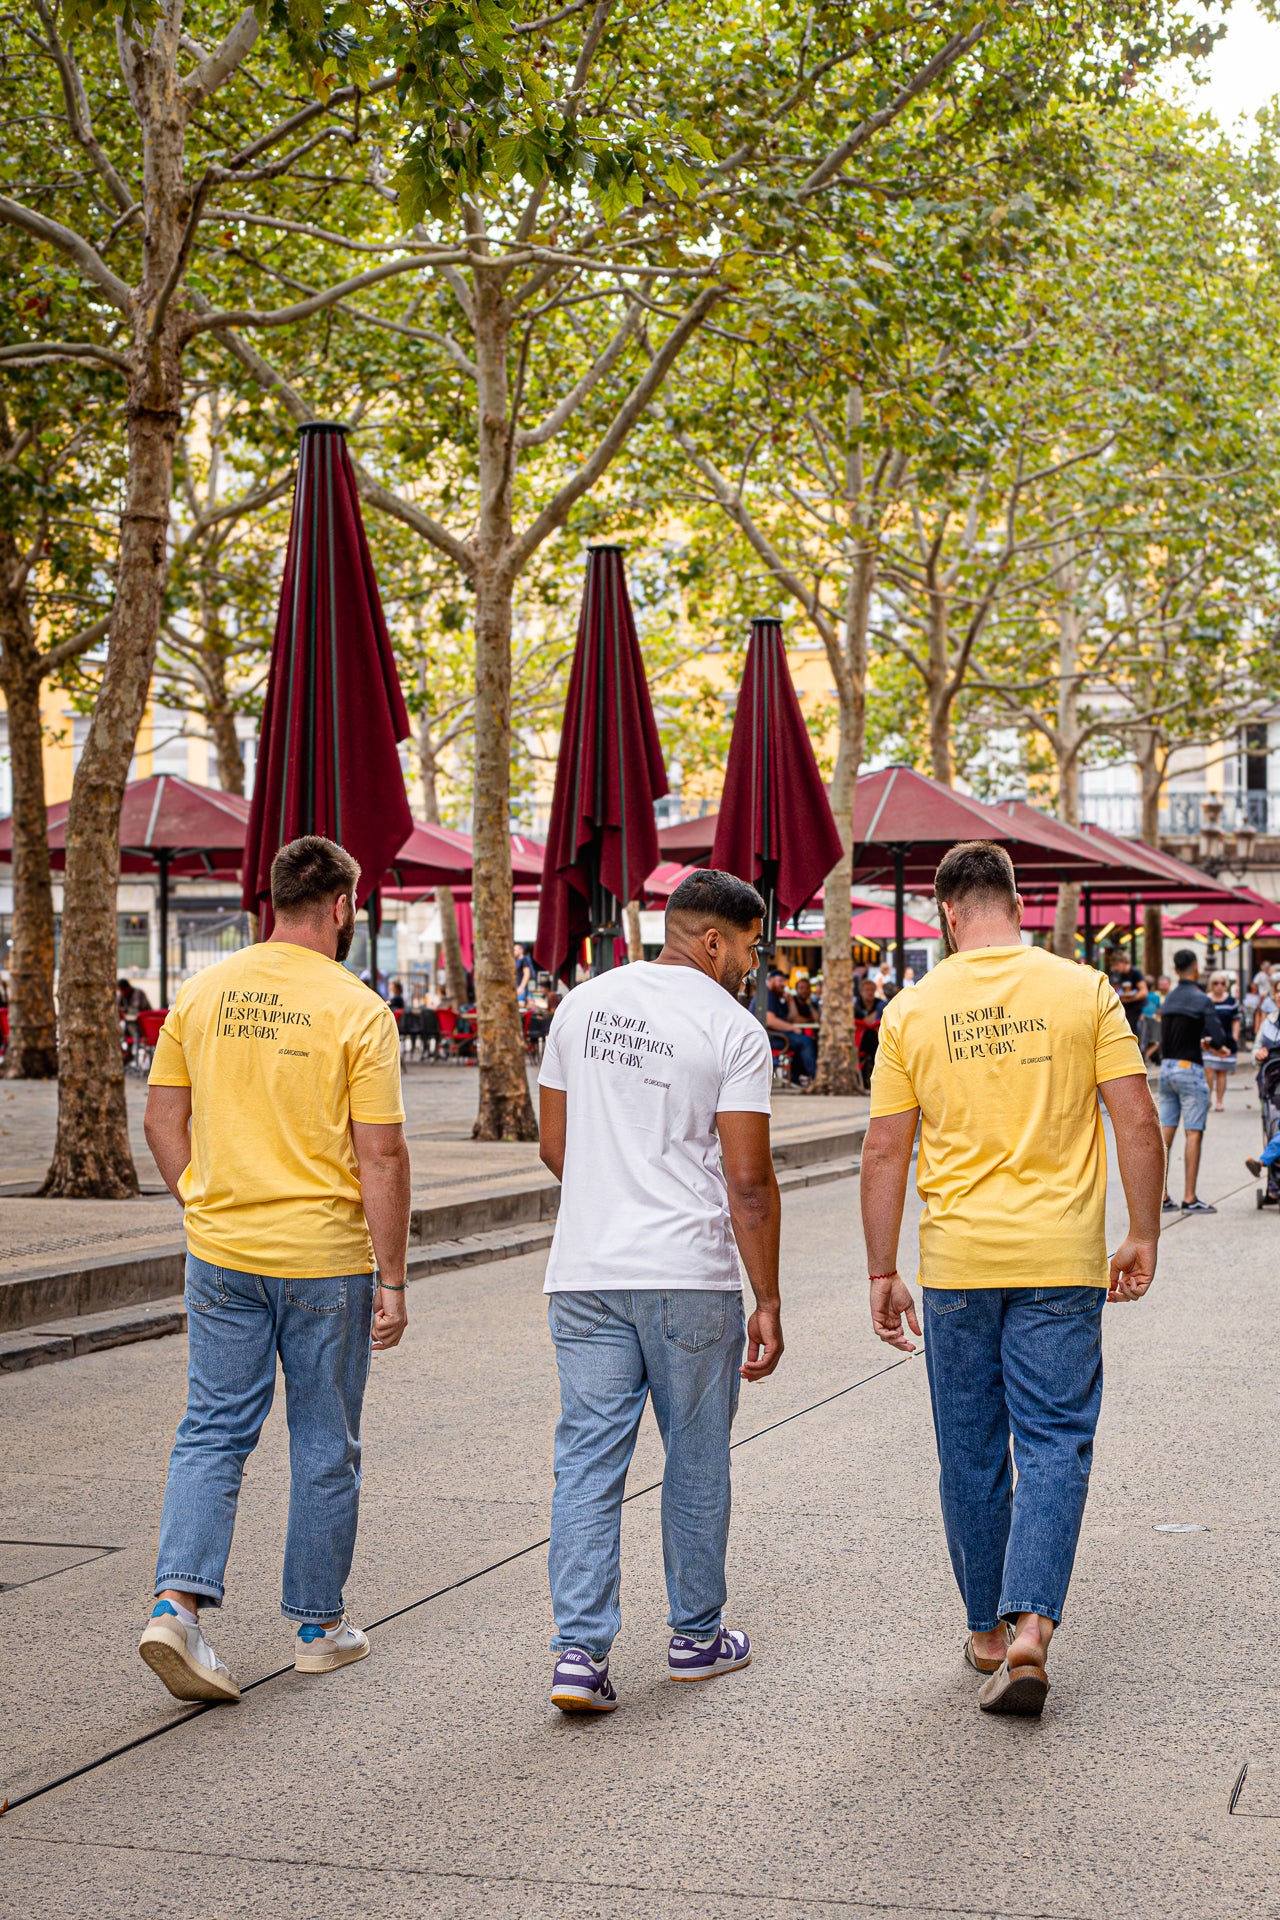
1020, 1363
804, 1054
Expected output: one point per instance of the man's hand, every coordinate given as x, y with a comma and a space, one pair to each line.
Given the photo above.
390, 1318
891, 1298
764, 1343
1133, 1268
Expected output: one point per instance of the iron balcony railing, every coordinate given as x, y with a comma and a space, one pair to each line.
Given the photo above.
1182, 815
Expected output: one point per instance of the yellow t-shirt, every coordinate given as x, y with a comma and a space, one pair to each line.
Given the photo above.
282, 1050
1002, 1049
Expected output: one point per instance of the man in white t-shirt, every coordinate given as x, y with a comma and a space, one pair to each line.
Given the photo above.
655, 1119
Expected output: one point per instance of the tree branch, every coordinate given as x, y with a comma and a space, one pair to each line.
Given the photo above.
79, 643
31, 355
77, 105
556, 512
303, 309
54, 234
219, 65
955, 49
565, 408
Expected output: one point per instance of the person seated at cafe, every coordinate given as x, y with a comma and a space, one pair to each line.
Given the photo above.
130, 1000
781, 1018
868, 1006
807, 1008
395, 999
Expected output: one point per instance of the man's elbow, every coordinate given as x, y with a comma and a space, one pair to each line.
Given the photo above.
754, 1197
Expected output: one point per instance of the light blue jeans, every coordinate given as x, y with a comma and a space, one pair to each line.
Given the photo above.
1026, 1363
613, 1351
236, 1325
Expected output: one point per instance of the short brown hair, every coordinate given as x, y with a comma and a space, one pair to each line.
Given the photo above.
308, 872
977, 873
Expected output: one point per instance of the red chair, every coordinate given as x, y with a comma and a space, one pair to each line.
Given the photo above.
149, 1022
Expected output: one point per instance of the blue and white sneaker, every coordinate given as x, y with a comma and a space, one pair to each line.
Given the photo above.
581, 1684
178, 1654
321, 1649
703, 1659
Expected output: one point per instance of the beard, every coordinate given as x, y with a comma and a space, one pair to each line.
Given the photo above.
346, 934
732, 978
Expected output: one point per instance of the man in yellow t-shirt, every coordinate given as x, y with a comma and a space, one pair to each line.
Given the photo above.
274, 1116
1000, 1054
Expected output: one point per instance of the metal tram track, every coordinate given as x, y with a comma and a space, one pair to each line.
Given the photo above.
411, 1606
495, 1566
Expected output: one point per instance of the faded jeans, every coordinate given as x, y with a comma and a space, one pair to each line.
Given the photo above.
1022, 1363
614, 1350
236, 1325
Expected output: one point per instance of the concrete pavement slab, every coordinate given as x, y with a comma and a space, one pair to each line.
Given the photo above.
847, 1769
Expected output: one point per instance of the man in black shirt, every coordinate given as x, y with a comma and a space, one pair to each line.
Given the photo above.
1130, 985
1188, 1024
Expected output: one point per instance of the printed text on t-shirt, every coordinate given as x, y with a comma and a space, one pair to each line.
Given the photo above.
987, 1033
624, 1040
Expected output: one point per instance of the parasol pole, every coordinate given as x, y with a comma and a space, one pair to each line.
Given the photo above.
373, 913
1087, 896
767, 947
899, 916
162, 862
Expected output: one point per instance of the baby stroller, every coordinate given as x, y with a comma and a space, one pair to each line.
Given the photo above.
1269, 1094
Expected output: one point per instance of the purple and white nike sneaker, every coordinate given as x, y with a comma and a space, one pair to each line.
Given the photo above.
703, 1659
581, 1684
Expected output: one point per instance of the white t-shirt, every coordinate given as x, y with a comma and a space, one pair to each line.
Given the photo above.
648, 1056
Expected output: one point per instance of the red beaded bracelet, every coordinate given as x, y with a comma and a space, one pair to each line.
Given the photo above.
884, 1276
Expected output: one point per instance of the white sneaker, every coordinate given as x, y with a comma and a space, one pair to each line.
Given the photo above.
321, 1649
181, 1656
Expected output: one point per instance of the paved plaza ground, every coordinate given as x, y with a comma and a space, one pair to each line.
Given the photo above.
846, 1771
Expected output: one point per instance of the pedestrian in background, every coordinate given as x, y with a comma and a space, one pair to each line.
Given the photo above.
999, 1056
1188, 1026
655, 1104
274, 1116
1220, 1061
1149, 1026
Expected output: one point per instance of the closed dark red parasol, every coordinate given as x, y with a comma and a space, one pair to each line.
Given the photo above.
775, 826
334, 712
602, 840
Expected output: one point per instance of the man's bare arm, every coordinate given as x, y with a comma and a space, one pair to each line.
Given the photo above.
167, 1127
382, 1154
755, 1210
553, 1120
1140, 1153
886, 1165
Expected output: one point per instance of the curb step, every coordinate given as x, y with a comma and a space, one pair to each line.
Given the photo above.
149, 1320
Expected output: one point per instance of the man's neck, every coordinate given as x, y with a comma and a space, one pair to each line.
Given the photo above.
675, 957
987, 933
291, 933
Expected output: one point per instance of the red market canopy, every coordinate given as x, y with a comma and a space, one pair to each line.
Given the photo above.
328, 760
442, 857
165, 823
602, 840
168, 826
875, 928
1245, 908
690, 840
